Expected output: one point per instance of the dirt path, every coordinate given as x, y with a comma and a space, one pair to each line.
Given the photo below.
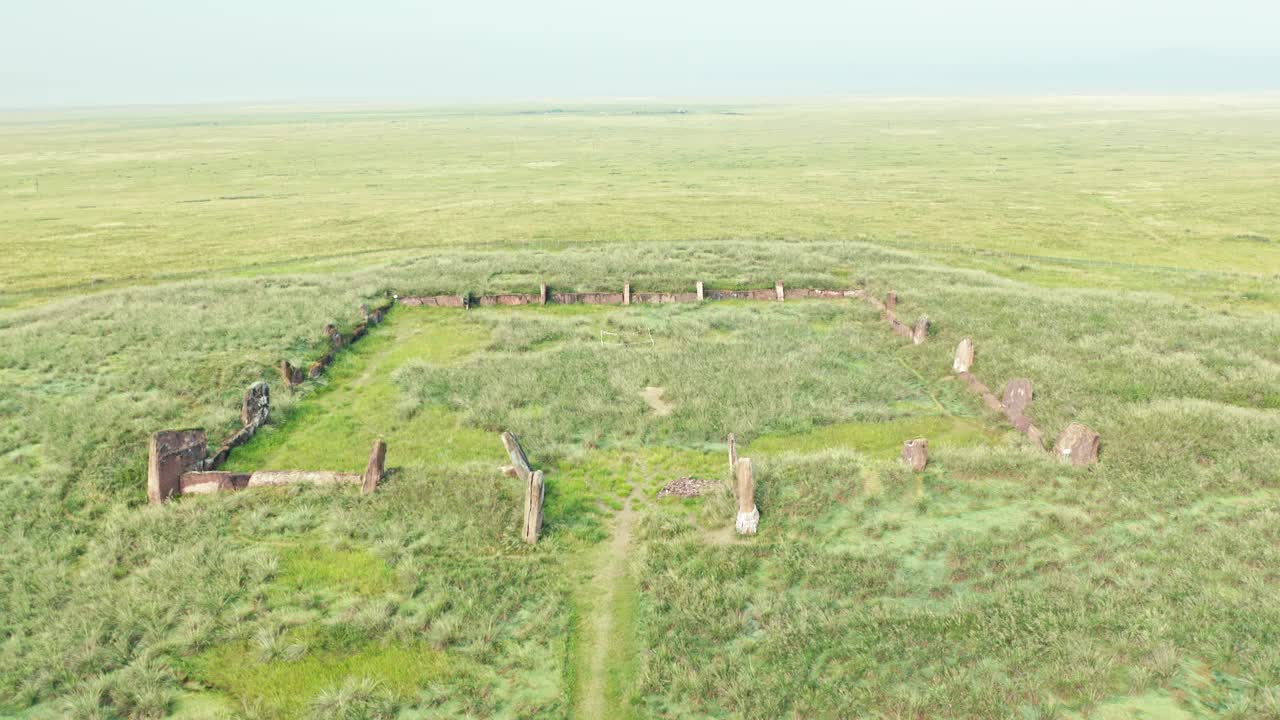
604, 627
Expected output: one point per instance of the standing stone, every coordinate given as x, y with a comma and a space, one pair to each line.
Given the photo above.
1017, 396
169, 454
964, 356
376, 468
534, 494
626, 294
256, 405
542, 294
748, 520
701, 295
519, 461
921, 331
1078, 445
915, 454
777, 289
290, 374
733, 454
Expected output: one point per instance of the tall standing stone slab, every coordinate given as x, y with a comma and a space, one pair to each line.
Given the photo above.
1078, 445
778, 289
170, 454
964, 356
701, 295
748, 519
535, 493
256, 406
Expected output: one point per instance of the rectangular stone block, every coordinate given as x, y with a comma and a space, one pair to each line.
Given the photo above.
170, 454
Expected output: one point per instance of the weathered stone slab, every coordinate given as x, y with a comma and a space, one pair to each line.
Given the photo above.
964, 356
535, 493
915, 454
920, 332
506, 299
748, 518
335, 337
452, 301
779, 291
207, 482
664, 298
277, 478
170, 454
376, 468
626, 294
255, 408
733, 454
899, 328
542, 294
519, 461
318, 367
1017, 397
771, 294
587, 298
289, 374
699, 292
977, 386
1078, 445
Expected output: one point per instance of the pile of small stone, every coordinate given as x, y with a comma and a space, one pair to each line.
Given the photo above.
686, 487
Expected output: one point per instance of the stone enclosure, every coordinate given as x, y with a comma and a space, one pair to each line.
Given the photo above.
178, 460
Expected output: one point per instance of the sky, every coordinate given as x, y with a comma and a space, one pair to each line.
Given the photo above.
119, 52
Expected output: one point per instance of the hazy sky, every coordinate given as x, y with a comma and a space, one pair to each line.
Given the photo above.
72, 52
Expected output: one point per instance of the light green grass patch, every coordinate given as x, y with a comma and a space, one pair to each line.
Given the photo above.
284, 688
310, 566
880, 440
358, 401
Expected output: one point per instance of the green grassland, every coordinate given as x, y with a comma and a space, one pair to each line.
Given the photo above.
1122, 254
1066, 192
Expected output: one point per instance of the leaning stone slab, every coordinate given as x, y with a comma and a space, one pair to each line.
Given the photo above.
170, 454
376, 468
1078, 445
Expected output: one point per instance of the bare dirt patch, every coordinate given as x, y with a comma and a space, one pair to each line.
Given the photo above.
687, 487
653, 397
